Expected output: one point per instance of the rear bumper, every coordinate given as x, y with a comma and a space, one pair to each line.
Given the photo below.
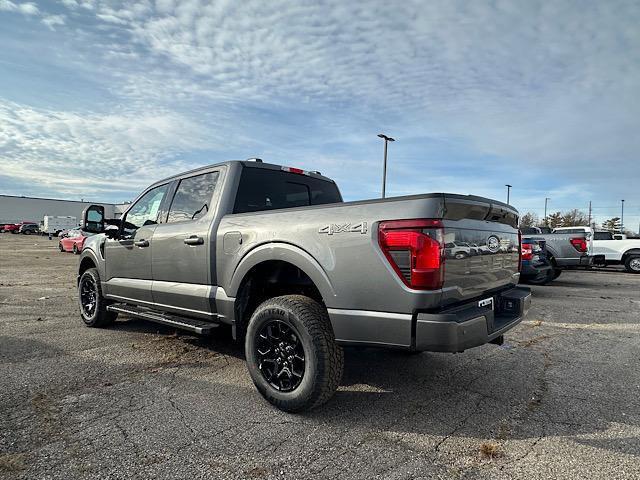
470, 325
584, 261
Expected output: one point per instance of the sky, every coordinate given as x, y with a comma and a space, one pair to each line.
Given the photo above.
98, 99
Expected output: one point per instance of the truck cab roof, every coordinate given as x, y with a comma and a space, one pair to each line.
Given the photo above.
252, 163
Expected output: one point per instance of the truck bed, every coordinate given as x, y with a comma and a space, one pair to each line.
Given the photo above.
342, 240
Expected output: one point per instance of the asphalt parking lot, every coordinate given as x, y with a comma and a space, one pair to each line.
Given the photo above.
559, 400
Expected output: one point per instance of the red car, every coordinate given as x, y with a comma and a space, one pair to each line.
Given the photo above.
15, 227
73, 241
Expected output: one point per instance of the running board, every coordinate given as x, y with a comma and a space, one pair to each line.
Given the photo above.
193, 325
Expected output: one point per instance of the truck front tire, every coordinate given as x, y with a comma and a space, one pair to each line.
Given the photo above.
93, 306
292, 355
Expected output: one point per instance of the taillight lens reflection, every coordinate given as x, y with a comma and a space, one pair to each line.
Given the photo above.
415, 250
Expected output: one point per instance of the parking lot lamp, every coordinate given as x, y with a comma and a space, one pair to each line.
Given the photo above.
384, 168
546, 199
508, 192
622, 218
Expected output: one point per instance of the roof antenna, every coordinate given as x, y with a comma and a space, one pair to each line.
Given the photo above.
255, 159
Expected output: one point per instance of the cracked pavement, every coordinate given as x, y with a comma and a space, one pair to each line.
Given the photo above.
139, 400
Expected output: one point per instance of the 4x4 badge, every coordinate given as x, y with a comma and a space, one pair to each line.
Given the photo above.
344, 228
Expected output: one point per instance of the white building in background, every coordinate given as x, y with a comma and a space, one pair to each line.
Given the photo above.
15, 209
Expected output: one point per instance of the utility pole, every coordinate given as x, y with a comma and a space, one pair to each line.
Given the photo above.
546, 199
589, 213
508, 191
622, 219
384, 168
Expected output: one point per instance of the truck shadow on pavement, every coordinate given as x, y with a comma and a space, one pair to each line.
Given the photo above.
491, 392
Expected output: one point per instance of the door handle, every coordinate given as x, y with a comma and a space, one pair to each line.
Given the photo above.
194, 240
141, 243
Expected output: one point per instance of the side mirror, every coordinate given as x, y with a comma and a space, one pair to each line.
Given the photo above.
112, 231
93, 219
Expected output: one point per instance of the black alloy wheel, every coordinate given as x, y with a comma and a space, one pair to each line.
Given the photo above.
292, 356
280, 355
88, 295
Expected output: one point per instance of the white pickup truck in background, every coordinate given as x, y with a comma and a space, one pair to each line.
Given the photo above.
616, 251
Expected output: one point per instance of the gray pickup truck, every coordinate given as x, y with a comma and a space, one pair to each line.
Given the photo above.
565, 251
297, 273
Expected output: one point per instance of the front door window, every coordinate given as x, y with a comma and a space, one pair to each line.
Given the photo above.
145, 211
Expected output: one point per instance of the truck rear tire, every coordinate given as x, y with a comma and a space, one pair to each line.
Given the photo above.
93, 306
548, 277
291, 352
632, 264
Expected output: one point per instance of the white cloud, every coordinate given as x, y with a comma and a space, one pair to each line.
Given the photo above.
28, 8
85, 152
513, 81
536, 90
52, 20
7, 6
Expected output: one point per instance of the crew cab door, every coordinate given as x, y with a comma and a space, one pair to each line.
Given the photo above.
183, 254
128, 257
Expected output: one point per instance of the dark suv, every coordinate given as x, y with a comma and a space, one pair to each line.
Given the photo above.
29, 228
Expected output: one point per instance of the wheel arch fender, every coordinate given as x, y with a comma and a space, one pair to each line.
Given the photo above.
288, 253
88, 259
631, 251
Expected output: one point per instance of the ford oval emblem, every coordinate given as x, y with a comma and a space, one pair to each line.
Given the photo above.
493, 244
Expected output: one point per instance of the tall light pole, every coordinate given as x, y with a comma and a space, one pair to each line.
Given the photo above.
384, 168
622, 219
508, 191
546, 199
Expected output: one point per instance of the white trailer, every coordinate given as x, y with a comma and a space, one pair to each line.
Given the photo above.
55, 224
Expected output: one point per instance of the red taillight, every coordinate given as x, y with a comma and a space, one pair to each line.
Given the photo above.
580, 244
415, 250
526, 251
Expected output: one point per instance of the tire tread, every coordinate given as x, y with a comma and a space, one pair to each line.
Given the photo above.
331, 356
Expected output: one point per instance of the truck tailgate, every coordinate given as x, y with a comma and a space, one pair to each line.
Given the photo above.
481, 248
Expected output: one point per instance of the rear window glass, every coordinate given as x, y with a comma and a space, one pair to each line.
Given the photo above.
602, 236
262, 189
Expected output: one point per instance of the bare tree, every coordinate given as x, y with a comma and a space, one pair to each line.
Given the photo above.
574, 218
529, 219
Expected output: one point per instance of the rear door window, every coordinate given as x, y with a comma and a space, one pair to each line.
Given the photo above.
264, 189
193, 197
